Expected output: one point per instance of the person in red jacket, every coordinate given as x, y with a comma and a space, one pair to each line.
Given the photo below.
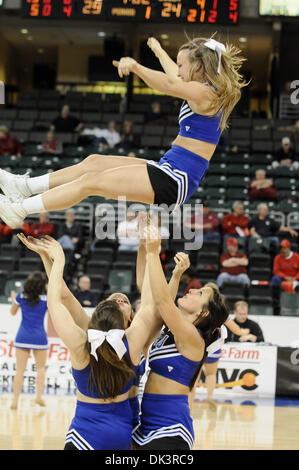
235, 223
23, 228
9, 145
286, 268
233, 265
43, 227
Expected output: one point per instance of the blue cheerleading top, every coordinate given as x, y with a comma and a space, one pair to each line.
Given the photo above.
31, 333
81, 377
165, 360
199, 127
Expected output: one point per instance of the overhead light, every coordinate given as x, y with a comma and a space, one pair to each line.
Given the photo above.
164, 36
101, 34
24, 31
40, 51
30, 38
242, 39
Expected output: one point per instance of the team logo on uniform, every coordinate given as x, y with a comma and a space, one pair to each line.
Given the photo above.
187, 128
170, 368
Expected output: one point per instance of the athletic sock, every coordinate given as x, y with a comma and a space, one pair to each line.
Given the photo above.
39, 184
33, 205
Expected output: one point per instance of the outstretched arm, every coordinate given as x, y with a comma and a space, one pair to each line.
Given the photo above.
71, 334
182, 264
185, 332
68, 299
168, 65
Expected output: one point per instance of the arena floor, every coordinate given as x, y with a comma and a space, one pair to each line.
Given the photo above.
238, 424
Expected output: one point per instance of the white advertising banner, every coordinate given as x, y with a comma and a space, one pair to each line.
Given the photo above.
59, 380
245, 369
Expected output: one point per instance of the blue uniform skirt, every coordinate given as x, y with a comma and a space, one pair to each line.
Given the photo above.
36, 338
214, 357
186, 168
164, 416
101, 426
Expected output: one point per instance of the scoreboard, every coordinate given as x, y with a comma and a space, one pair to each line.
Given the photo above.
223, 12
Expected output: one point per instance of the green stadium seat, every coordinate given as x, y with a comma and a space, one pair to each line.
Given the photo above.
289, 304
120, 280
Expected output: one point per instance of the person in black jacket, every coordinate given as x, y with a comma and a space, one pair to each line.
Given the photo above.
84, 295
241, 318
70, 234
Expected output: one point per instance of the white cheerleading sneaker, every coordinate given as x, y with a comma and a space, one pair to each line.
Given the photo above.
14, 185
12, 211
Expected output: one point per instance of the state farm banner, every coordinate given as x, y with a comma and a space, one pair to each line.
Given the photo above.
59, 380
245, 369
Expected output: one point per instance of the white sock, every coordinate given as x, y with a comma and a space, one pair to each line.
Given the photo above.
39, 184
33, 205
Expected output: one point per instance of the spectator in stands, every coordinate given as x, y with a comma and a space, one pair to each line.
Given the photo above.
51, 145
111, 135
66, 122
262, 187
43, 227
286, 268
209, 229
9, 145
233, 265
286, 155
242, 320
70, 234
235, 223
155, 116
127, 233
263, 226
190, 279
84, 295
128, 139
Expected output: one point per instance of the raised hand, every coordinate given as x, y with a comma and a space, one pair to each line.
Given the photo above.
153, 239
33, 244
125, 65
182, 262
154, 45
52, 247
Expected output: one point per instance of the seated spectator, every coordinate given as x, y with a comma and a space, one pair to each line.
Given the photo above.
286, 268
233, 265
127, 233
111, 135
84, 295
235, 223
263, 226
286, 155
66, 122
262, 187
51, 145
155, 116
128, 139
242, 320
9, 145
70, 234
209, 230
190, 279
43, 227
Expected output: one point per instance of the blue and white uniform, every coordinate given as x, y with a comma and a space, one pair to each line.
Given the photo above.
213, 357
31, 333
165, 416
135, 401
186, 168
100, 426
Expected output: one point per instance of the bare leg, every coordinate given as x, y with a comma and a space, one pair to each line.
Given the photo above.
92, 163
131, 182
40, 360
210, 373
22, 356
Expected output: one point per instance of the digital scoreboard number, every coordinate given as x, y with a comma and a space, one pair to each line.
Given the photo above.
150, 11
